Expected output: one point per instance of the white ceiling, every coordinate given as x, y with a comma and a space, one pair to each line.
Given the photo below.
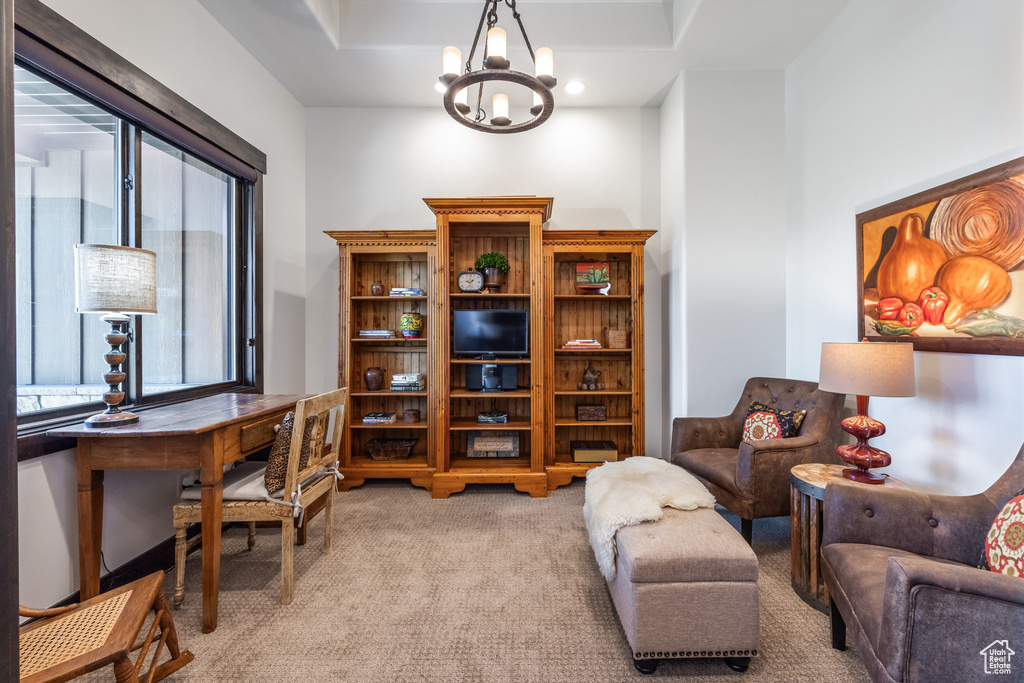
387, 53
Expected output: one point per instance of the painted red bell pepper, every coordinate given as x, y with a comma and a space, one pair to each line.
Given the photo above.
933, 302
888, 309
911, 316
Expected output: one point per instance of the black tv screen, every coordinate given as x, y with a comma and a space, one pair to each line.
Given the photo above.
494, 331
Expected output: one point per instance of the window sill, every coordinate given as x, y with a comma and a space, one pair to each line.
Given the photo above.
34, 443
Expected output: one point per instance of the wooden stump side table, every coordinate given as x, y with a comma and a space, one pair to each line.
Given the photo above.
807, 493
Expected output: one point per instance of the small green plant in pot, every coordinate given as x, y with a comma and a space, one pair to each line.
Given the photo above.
494, 266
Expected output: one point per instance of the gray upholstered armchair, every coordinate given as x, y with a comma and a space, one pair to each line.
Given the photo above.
900, 570
751, 478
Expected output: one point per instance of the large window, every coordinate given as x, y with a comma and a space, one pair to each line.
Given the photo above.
84, 175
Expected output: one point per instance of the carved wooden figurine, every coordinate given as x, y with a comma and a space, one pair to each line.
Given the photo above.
590, 377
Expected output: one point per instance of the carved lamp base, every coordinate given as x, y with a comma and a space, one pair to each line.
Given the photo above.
862, 455
114, 416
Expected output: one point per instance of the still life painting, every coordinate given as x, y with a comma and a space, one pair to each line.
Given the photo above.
944, 269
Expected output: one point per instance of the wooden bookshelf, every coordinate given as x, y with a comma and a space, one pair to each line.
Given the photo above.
542, 408
588, 316
467, 228
396, 259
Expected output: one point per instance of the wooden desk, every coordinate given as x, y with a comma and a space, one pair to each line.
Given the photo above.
204, 434
807, 484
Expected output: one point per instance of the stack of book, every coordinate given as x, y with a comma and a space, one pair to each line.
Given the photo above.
379, 418
408, 381
377, 334
578, 344
405, 291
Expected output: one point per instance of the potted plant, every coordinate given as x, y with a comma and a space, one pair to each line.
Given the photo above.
494, 266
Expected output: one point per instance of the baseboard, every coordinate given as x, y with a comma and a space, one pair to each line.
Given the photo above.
159, 558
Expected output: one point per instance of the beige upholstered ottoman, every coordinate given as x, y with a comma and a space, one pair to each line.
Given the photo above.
686, 586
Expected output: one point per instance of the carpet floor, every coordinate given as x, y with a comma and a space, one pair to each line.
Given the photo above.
489, 585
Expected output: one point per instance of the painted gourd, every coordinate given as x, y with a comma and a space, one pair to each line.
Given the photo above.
972, 283
912, 262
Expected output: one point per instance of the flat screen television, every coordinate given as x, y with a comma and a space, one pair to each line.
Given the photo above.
492, 332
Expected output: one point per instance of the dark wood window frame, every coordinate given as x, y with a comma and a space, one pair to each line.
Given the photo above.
50, 44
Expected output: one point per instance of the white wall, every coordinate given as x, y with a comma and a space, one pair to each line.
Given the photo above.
672, 256
893, 98
370, 168
181, 46
735, 219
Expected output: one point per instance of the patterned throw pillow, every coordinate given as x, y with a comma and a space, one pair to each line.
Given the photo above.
1004, 544
277, 461
769, 423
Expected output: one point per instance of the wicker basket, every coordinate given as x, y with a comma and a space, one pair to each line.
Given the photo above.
390, 449
615, 339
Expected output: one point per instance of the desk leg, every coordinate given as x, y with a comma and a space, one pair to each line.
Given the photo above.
212, 477
90, 522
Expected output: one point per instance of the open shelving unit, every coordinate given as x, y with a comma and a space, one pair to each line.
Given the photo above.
467, 228
589, 316
542, 408
396, 259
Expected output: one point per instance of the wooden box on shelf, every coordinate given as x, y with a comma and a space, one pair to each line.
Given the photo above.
492, 444
591, 412
593, 451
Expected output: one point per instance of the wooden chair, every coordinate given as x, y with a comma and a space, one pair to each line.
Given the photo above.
67, 642
246, 498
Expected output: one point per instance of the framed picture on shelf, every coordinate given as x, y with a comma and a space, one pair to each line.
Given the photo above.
492, 444
944, 269
593, 277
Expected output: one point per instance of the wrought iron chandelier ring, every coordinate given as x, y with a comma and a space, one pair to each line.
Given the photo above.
541, 114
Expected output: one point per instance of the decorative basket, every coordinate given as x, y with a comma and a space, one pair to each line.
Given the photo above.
615, 339
390, 449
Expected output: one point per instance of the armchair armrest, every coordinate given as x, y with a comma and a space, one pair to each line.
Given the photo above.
936, 604
947, 527
689, 433
772, 459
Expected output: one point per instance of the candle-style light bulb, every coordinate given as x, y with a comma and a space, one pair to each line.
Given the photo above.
496, 49
538, 103
462, 101
500, 108
451, 62
544, 65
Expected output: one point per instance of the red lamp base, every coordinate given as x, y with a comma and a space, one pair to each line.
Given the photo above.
862, 455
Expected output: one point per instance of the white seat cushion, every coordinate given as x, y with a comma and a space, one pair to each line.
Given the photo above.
245, 482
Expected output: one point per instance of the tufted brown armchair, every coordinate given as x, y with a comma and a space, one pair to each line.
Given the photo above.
751, 478
900, 568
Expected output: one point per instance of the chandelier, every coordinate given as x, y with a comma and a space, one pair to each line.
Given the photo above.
495, 67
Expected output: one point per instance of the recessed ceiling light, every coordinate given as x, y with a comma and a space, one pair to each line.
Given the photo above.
575, 87
440, 87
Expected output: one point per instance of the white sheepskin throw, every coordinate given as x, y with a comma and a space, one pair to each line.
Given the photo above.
632, 491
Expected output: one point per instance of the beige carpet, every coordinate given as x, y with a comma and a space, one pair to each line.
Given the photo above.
489, 585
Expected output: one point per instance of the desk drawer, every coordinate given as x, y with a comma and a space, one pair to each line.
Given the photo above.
256, 435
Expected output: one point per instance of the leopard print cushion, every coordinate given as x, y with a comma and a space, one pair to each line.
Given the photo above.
277, 461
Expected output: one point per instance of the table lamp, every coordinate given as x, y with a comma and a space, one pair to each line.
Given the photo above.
866, 369
118, 281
